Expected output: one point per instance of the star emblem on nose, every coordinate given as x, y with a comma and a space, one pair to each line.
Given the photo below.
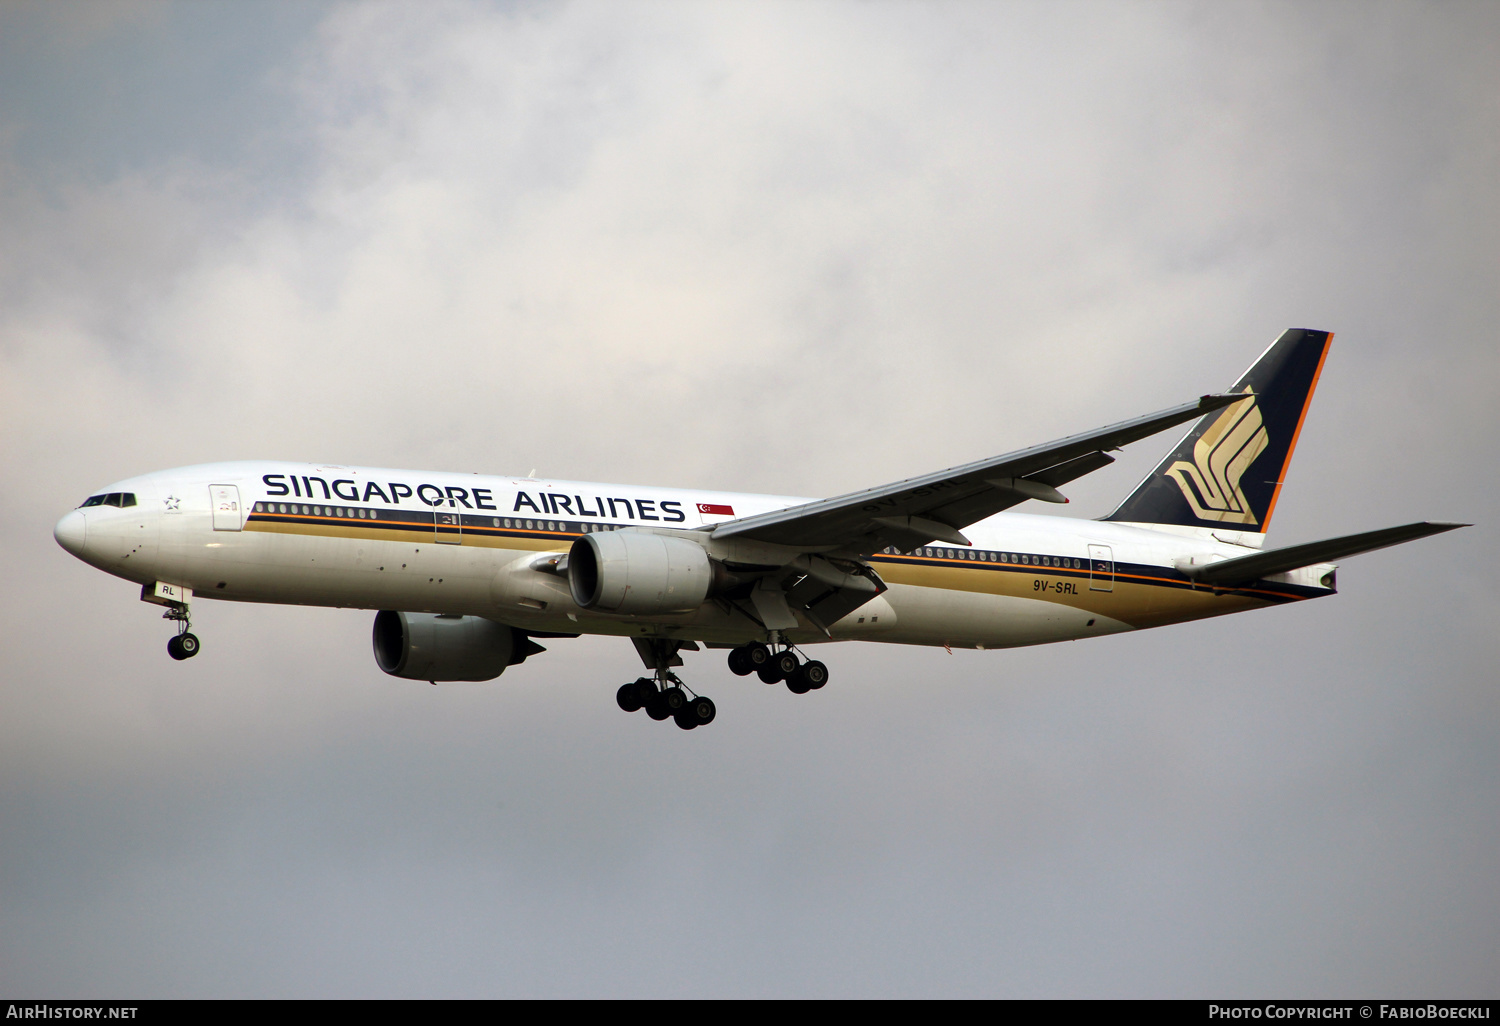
171, 502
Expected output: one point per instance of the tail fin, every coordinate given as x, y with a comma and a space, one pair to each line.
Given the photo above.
1226, 474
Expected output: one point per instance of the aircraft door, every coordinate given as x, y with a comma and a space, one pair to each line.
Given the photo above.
225, 501
450, 529
1101, 568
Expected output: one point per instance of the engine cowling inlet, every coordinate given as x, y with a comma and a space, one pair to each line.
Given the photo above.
638, 574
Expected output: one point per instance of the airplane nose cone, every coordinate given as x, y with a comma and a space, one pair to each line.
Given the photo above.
71, 532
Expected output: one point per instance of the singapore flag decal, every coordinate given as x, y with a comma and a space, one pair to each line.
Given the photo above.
711, 509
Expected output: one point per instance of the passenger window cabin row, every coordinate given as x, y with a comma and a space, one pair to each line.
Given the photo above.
986, 556
970, 555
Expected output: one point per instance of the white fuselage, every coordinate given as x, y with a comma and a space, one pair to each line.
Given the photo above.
421, 541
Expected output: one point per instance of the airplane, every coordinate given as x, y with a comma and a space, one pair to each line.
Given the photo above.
467, 572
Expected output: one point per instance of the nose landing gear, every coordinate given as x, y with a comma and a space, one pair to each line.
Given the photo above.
185, 644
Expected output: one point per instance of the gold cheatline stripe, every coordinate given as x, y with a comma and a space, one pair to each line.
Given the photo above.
342, 527
1177, 584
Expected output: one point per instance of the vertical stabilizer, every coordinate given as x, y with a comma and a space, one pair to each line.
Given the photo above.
1226, 474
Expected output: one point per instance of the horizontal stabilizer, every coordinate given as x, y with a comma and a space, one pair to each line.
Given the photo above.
1245, 569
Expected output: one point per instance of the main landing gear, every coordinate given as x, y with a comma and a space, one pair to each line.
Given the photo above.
773, 666
185, 644
665, 696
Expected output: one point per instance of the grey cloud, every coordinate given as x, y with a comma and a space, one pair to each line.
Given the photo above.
802, 249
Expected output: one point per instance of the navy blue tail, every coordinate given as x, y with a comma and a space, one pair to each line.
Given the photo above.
1227, 472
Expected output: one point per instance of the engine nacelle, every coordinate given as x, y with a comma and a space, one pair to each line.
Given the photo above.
428, 646
640, 574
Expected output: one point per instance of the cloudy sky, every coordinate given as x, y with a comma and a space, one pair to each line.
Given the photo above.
798, 248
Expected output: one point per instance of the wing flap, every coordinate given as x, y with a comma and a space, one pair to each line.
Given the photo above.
1072, 470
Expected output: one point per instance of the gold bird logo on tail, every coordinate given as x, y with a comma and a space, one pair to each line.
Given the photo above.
1222, 455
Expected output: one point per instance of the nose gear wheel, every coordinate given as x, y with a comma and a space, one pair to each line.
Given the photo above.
185, 644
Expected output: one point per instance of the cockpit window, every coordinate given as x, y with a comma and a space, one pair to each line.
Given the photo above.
120, 499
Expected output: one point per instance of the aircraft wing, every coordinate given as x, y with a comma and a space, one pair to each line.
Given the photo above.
937, 506
1244, 569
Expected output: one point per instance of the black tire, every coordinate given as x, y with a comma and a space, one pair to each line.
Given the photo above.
657, 709
758, 654
739, 663
788, 663
815, 673
645, 690
702, 710
769, 674
675, 699
684, 718
174, 647
628, 697
797, 683
188, 645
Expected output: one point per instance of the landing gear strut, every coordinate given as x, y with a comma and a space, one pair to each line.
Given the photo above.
185, 644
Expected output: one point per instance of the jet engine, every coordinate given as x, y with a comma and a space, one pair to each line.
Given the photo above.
428, 646
638, 574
